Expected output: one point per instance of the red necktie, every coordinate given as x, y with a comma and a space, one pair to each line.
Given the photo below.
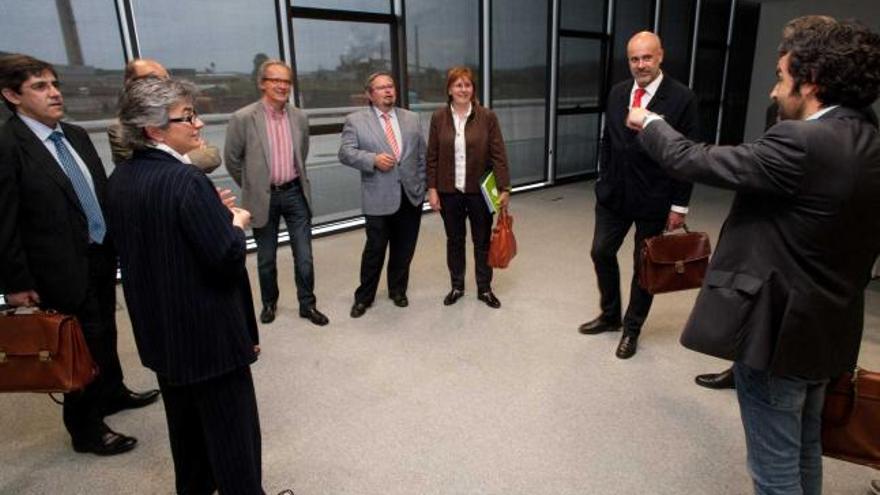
389, 135
637, 97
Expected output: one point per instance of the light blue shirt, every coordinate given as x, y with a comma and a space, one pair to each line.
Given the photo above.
42, 131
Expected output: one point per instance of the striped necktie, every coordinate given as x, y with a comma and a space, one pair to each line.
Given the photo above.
389, 135
86, 195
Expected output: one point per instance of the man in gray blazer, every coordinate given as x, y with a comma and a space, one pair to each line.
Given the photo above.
784, 294
386, 145
267, 143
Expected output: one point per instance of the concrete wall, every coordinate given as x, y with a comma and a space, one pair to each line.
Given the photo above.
774, 15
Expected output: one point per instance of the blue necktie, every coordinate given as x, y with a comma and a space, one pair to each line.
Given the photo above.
86, 196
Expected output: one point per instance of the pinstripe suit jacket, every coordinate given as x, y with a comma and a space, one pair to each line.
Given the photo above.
183, 269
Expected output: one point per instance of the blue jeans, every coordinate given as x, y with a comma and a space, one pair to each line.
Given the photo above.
782, 418
291, 205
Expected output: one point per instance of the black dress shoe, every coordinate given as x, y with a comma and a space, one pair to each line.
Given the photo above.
400, 300
489, 299
267, 315
627, 346
599, 325
454, 295
107, 443
716, 380
358, 309
130, 400
313, 315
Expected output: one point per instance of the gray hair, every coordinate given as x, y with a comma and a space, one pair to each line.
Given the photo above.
146, 102
368, 84
261, 73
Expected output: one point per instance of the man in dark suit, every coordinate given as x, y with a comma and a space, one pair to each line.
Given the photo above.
633, 189
386, 145
784, 294
53, 240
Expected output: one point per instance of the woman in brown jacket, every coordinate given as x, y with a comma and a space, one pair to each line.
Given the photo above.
465, 142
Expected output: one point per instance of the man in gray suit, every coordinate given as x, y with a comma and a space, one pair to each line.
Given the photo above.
386, 145
784, 294
267, 143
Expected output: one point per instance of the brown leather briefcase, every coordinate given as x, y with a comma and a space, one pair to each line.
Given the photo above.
674, 261
851, 418
43, 351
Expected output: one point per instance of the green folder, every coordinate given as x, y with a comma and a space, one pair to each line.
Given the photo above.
489, 188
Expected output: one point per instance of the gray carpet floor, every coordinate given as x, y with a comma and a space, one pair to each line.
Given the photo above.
453, 400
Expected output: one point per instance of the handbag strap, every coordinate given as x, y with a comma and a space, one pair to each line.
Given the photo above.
853, 403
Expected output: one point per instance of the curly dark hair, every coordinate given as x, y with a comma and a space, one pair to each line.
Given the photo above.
841, 58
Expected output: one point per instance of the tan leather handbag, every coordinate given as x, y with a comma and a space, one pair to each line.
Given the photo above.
851, 418
674, 261
43, 351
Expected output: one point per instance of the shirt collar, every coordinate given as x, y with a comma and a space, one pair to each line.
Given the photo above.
270, 110
168, 149
40, 129
380, 112
468, 114
821, 112
650, 89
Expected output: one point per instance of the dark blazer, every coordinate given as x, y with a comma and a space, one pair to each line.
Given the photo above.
785, 287
484, 147
630, 182
44, 234
182, 265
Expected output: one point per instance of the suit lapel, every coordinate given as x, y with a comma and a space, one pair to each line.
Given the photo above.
658, 99
96, 168
42, 160
259, 117
378, 131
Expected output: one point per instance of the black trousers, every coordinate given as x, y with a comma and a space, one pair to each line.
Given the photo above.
611, 229
83, 416
397, 232
214, 430
455, 208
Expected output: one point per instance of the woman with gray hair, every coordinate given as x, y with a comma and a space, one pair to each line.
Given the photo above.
182, 255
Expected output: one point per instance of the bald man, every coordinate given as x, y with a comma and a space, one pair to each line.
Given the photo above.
633, 189
206, 158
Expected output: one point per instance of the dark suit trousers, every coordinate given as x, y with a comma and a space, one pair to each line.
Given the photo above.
97, 316
398, 233
455, 208
611, 229
214, 430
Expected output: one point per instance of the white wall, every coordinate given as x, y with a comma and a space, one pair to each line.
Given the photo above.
774, 15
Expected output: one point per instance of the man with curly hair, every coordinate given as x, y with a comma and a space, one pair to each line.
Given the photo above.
784, 294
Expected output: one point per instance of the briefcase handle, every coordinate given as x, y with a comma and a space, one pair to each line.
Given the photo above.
10, 310
684, 227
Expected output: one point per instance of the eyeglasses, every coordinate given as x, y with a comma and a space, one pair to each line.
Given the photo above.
275, 80
189, 119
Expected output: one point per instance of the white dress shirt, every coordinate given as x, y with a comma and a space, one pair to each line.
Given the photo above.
460, 154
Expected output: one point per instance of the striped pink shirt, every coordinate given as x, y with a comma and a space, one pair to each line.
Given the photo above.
282, 169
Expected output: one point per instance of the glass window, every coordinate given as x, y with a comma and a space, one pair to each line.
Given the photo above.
218, 45
630, 17
577, 144
333, 58
582, 15
580, 72
374, 6
676, 29
81, 39
519, 84
439, 36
